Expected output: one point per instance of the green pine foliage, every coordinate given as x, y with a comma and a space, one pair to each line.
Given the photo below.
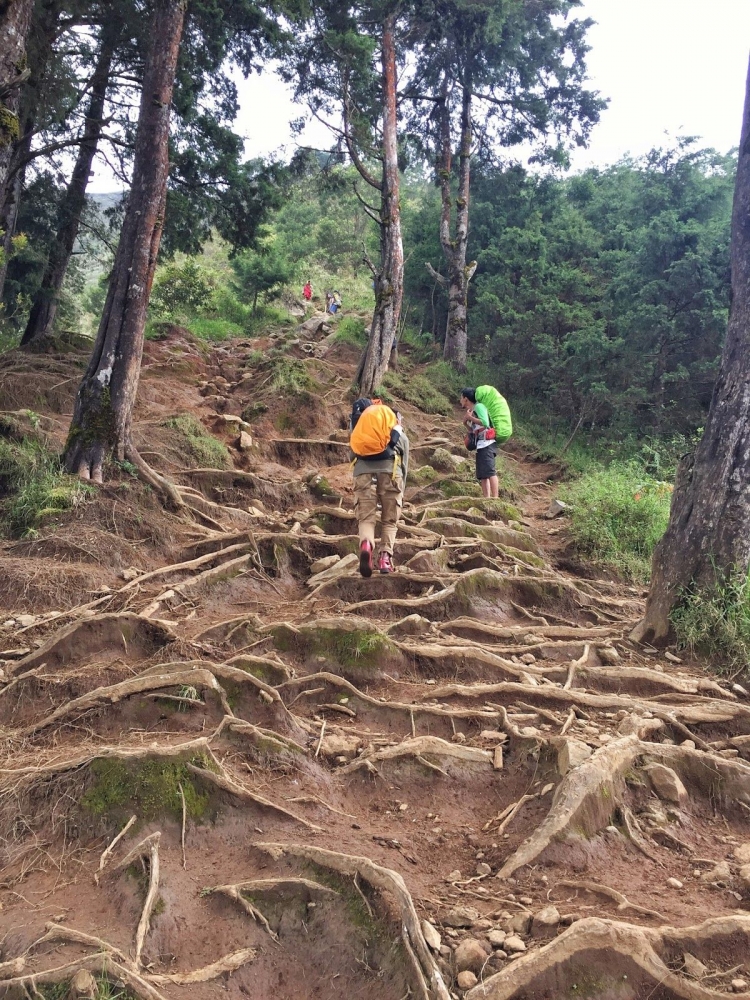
618, 514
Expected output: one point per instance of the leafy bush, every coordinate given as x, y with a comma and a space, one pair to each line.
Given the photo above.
34, 487
618, 514
205, 449
715, 621
178, 287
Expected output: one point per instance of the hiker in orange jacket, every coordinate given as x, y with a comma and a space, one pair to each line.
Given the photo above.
380, 450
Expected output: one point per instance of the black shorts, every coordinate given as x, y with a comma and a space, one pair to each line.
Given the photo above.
486, 462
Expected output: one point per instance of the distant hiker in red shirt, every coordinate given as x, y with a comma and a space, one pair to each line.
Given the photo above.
307, 291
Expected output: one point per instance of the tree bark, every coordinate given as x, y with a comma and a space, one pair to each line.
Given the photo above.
708, 537
44, 307
103, 411
15, 21
459, 275
389, 278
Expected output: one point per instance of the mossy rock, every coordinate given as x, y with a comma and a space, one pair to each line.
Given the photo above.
422, 476
451, 488
321, 488
490, 506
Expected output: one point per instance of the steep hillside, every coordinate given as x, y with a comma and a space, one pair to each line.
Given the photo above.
234, 767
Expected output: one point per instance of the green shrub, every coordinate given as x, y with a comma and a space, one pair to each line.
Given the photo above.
34, 486
203, 447
715, 621
617, 516
186, 286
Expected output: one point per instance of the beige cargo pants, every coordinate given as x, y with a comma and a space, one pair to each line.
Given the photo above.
368, 490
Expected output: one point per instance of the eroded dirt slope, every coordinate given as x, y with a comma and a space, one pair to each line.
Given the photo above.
233, 766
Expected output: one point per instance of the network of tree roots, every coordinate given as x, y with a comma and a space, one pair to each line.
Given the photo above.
231, 766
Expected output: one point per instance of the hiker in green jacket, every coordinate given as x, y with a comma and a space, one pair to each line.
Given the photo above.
480, 403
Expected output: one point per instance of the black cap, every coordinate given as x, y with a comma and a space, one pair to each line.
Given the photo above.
469, 393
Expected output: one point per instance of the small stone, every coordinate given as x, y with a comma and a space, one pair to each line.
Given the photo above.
403, 807
497, 758
571, 754
745, 876
481, 925
544, 923
325, 563
719, 873
556, 508
25, 620
466, 980
672, 658
483, 869
740, 690
431, 935
454, 876
496, 937
693, 967
739, 985
131, 573
674, 883
528, 658
514, 944
519, 923
666, 783
493, 736
742, 853
547, 789
608, 655
526, 900
469, 954
460, 916
688, 744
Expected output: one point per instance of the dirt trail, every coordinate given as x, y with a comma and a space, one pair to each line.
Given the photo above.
233, 766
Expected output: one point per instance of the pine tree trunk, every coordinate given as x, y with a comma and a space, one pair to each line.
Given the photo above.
101, 424
45, 303
389, 281
46, 24
708, 537
15, 21
459, 275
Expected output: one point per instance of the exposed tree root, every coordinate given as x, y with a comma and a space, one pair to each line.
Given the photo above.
583, 800
147, 848
269, 886
227, 784
384, 880
702, 710
623, 903
107, 852
611, 951
421, 748
93, 635
229, 963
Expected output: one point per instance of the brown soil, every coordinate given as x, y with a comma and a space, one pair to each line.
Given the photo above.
167, 662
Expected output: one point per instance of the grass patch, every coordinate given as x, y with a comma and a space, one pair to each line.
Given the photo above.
215, 330
206, 450
150, 788
418, 390
105, 990
715, 621
290, 375
33, 487
617, 516
351, 330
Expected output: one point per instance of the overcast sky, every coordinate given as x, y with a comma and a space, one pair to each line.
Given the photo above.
669, 68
